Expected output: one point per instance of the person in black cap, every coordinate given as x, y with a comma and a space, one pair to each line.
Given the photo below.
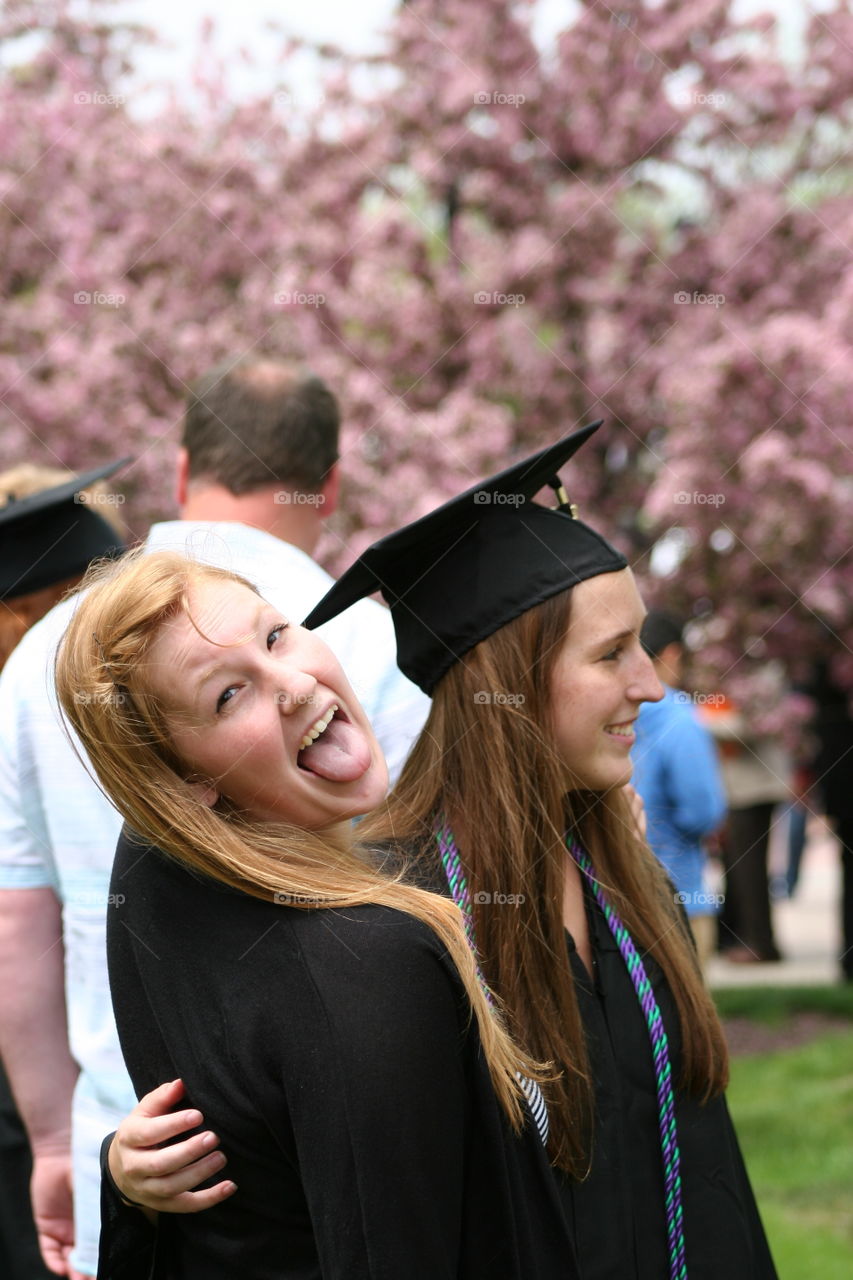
47, 539
49, 534
523, 624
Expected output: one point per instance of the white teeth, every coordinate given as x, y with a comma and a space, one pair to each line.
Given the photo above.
316, 729
622, 731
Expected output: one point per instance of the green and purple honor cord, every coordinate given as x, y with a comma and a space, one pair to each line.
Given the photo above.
663, 1069
462, 897
657, 1034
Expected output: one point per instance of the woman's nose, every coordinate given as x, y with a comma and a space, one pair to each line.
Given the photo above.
645, 687
295, 689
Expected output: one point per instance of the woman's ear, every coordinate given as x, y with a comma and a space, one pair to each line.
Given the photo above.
204, 791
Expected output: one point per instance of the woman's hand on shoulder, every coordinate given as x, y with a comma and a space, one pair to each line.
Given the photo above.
152, 1176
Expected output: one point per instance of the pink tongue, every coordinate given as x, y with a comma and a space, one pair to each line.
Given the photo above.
341, 754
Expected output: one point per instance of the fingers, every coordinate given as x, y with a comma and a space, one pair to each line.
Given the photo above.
140, 1130
161, 1177
177, 1168
162, 1099
165, 1192
196, 1201
54, 1252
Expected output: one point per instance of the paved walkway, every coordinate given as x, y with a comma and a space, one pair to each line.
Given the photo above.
807, 927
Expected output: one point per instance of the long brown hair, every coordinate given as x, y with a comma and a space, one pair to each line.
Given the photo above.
485, 759
100, 679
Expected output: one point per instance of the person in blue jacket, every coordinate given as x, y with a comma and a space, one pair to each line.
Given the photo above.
677, 774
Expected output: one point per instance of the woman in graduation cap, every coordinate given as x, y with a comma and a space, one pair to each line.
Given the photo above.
524, 626
325, 1016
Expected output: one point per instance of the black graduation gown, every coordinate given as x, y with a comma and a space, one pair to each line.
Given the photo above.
617, 1216
334, 1054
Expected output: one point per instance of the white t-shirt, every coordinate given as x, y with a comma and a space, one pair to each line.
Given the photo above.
57, 829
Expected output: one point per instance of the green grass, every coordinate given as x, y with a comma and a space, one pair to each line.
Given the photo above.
794, 1115
773, 1004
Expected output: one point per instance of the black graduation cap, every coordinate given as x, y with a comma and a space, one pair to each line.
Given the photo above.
52, 535
460, 573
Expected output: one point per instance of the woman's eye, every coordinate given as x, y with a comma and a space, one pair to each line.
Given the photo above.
225, 696
275, 633
613, 654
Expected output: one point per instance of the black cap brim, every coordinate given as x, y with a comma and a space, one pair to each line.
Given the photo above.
52, 536
459, 573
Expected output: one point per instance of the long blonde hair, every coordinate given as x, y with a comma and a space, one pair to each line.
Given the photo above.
100, 679
488, 761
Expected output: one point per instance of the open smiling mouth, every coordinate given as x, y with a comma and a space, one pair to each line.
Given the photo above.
334, 749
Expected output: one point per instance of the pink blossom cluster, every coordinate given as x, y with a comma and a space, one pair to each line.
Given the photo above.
482, 243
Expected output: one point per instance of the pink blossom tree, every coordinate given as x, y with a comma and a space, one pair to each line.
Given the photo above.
481, 243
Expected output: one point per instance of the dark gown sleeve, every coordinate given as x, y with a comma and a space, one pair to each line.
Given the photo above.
129, 1236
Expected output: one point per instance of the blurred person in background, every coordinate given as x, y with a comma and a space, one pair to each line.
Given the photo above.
677, 774
49, 533
756, 770
22, 607
832, 769
256, 476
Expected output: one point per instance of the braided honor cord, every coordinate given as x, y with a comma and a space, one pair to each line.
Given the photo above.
459, 891
663, 1069
462, 897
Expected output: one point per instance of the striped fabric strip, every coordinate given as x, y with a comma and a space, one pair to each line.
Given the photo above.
663, 1070
536, 1105
460, 893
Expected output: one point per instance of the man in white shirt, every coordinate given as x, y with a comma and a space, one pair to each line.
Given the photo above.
257, 474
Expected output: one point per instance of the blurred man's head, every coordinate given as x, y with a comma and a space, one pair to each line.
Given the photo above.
662, 638
260, 446
259, 423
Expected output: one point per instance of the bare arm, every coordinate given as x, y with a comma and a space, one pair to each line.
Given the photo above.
34, 1047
